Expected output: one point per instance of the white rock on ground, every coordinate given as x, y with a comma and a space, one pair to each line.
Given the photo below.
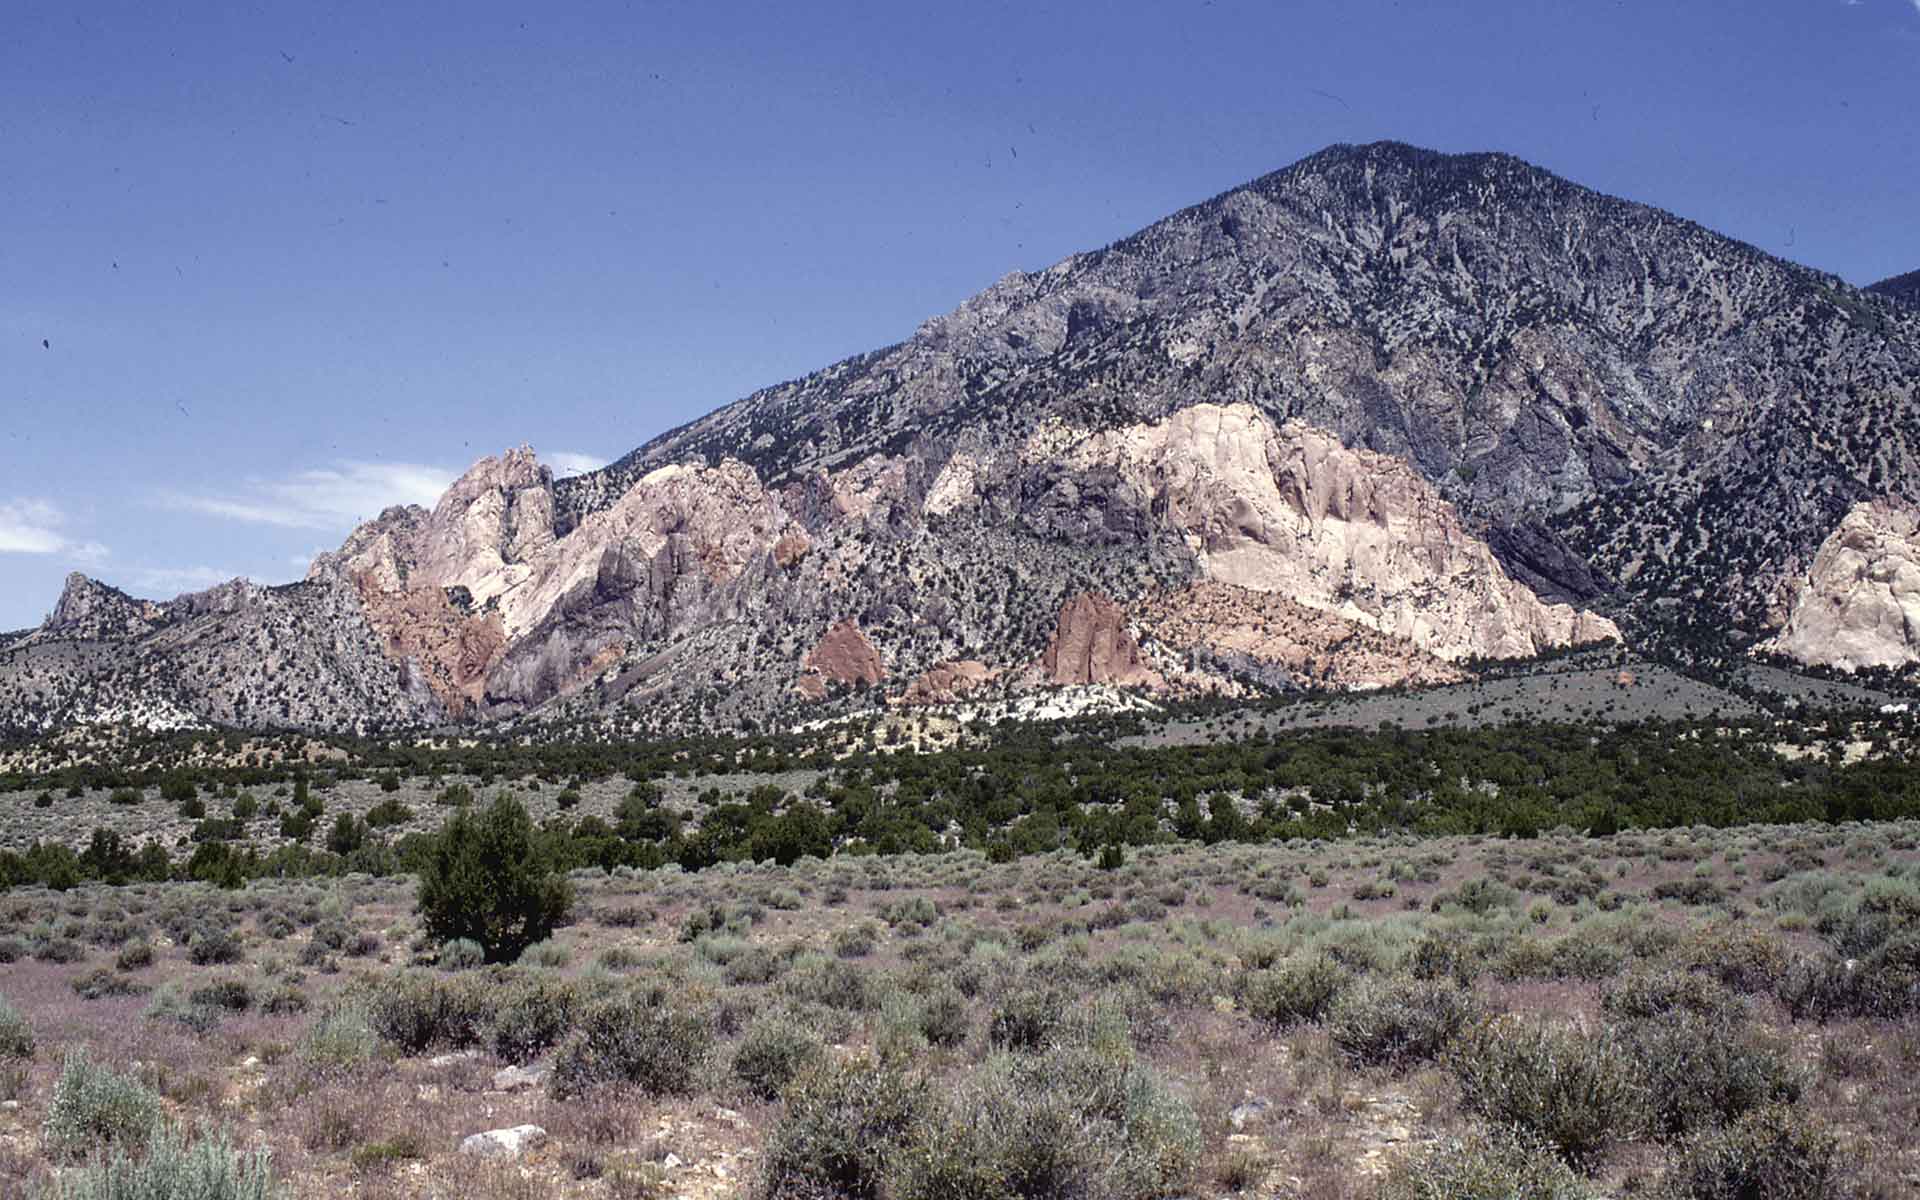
504, 1143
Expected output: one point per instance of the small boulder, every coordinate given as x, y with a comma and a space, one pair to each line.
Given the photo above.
1252, 1110
518, 1079
504, 1143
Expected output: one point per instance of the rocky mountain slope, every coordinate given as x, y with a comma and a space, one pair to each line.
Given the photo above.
1905, 288
1356, 423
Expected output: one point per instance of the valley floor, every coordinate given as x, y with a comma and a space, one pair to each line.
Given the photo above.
1653, 1012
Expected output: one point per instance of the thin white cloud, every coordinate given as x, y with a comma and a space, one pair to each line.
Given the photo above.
173, 581
336, 497
566, 462
29, 526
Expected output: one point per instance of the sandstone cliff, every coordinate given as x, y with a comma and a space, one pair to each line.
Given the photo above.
1091, 644
1859, 603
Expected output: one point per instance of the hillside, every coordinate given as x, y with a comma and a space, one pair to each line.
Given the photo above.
1441, 407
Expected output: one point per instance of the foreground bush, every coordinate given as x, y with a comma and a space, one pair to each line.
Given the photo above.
775, 1049
633, 1043
416, 1010
1577, 1092
1485, 1165
1707, 1071
172, 1169
843, 1131
1293, 992
1397, 1023
1073, 1122
95, 1108
1775, 1153
483, 878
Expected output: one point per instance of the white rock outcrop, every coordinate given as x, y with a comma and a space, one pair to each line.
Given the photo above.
1290, 510
1859, 603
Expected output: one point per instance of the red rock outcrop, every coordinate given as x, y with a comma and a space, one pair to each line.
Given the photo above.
949, 682
791, 550
1270, 636
844, 656
1091, 645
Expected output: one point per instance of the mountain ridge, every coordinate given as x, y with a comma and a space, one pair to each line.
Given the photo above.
1609, 409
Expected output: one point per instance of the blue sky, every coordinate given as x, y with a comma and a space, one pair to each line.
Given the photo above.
267, 268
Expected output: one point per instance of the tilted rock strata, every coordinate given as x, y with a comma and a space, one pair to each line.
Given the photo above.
1276, 641
1290, 510
1859, 603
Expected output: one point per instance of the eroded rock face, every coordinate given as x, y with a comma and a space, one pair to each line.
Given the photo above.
1289, 510
1859, 603
949, 682
1275, 641
843, 656
89, 609
1090, 644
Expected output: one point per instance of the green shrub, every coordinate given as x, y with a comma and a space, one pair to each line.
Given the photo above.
1396, 1023
213, 945
134, 955
16, 1032
633, 1043
1647, 994
341, 1039
483, 878
1072, 1122
855, 941
94, 1108
1027, 1016
171, 1003
171, 1168
546, 953
842, 1131
233, 995
388, 813
1484, 1165
1775, 1153
416, 1010
100, 983
530, 1016
775, 1049
1578, 1092
1704, 1071
943, 1017
461, 954
1826, 988
1295, 991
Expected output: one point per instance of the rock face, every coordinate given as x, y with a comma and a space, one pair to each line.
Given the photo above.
843, 656
1276, 642
1859, 604
91, 610
1090, 644
949, 682
1378, 412
1290, 510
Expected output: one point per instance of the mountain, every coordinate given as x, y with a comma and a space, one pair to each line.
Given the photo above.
1904, 288
1358, 422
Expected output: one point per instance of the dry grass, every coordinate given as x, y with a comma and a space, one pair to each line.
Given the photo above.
1160, 950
